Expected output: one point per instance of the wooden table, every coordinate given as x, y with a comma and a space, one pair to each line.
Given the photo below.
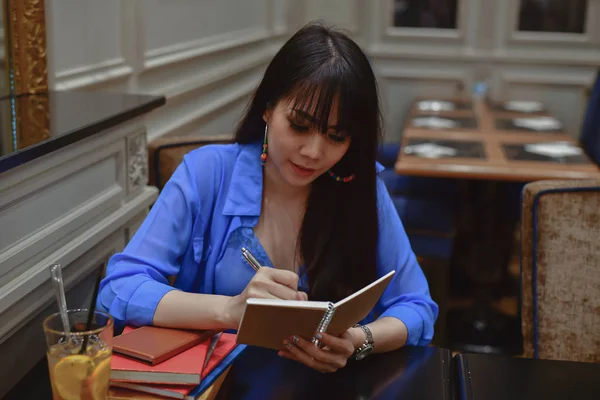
494, 165
407, 373
489, 377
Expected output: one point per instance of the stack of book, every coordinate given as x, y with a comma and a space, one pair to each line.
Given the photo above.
155, 362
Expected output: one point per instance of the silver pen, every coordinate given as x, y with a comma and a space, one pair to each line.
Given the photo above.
251, 259
211, 348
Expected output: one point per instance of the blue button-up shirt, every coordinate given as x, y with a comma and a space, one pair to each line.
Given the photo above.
205, 215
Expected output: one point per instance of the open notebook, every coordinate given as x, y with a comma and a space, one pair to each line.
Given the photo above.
266, 322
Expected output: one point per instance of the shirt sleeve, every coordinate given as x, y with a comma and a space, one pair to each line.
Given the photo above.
137, 278
407, 296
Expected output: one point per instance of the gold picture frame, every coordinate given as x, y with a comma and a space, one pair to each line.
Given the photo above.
25, 32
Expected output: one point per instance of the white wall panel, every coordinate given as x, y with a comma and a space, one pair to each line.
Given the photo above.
340, 13
86, 36
173, 23
196, 53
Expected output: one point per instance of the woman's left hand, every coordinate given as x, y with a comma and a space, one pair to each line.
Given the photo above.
332, 357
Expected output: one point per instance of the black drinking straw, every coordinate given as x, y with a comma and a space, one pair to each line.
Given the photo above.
92, 310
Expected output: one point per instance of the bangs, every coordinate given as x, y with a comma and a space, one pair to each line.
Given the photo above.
322, 94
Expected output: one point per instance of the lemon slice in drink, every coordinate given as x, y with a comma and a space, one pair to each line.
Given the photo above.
69, 374
100, 380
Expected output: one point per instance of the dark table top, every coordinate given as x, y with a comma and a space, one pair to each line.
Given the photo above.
409, 373
495, 377
32, 126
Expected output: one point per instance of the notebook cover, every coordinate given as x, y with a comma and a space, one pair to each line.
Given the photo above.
182, 369
356, 307
154, 344
266, 323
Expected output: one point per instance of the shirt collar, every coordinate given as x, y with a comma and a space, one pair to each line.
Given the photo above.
244, 196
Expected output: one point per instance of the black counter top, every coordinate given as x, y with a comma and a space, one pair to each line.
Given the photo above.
32, 126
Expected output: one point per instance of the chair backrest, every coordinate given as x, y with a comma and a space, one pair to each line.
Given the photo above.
166, 153
387, 153
590, 132
560, 270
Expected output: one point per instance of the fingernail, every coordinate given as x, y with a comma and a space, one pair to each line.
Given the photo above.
319, 336
295, 340
287, 344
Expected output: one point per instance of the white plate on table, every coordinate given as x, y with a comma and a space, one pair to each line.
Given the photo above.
434, 123
430, 150
554, 149
435, 105
538, 123
524, 106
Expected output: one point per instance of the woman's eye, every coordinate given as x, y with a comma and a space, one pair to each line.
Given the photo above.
297, 127
338, 138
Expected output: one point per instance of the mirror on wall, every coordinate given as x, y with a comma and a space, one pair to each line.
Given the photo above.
561, 16
24, 101
434, 14
3, 71
23, 47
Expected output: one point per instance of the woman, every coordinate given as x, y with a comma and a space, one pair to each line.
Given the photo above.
299, 189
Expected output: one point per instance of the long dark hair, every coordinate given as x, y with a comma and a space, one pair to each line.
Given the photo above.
339, 233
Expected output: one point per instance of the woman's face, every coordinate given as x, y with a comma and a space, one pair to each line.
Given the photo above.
296, 149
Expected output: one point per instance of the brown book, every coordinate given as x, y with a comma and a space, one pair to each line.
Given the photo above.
267, 322
153, 344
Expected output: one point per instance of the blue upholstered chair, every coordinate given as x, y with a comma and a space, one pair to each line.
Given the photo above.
560, 270
413, 186
425, 207
590, 132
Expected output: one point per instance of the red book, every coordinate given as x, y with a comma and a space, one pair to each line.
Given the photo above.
182, 369
126, 390
148, 392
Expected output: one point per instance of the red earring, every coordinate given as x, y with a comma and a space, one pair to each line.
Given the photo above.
263, 156
338, 178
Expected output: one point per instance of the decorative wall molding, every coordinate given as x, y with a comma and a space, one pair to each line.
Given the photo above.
32, 176
21, 250
185, 123
506, 56
76, 247
137, 162
187, 69
91, 75
213, 76
547, 78
181, 52
443, 74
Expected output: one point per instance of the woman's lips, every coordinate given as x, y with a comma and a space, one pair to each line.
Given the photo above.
302, 171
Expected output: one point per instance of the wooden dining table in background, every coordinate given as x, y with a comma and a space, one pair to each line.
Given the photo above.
494, 165
485, 149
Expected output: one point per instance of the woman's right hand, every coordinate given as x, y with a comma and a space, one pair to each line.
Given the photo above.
267, 283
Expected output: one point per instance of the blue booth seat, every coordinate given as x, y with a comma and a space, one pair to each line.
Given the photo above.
424, 205
425, 217
431, 247
590, 131
419, 187
387, 154
413, 186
